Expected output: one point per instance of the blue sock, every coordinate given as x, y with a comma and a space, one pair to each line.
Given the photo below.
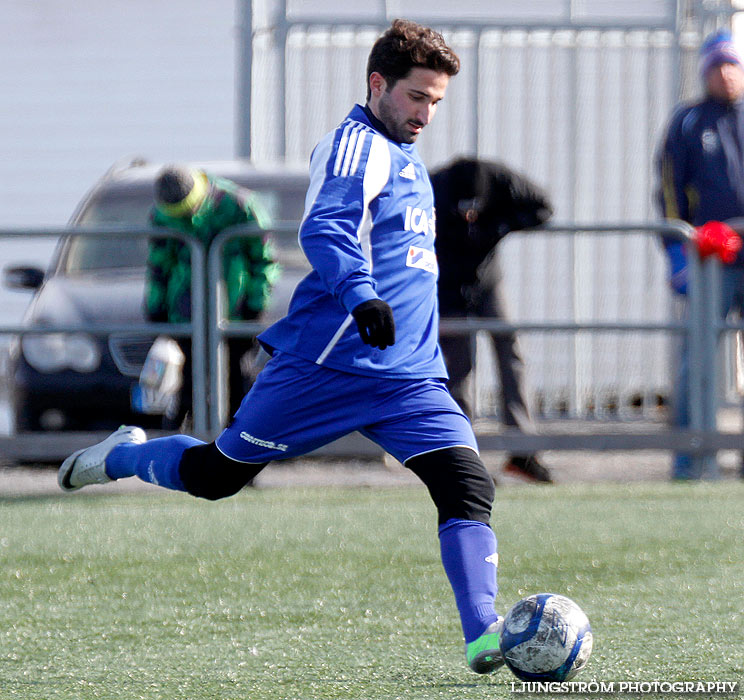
469, 557
155, 461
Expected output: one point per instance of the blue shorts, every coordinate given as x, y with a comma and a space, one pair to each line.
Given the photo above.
296, 406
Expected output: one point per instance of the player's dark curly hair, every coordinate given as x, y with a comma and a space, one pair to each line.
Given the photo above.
407, 45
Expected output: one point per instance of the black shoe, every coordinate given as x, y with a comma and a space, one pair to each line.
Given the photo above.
528, 468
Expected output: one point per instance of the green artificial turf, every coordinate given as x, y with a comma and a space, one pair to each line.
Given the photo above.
340, 593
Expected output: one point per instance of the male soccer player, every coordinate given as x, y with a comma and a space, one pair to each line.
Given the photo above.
358, 348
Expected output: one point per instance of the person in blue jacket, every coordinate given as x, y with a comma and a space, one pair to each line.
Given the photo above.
701, 171
358, 348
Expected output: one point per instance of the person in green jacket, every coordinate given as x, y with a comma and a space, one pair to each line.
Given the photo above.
201, 205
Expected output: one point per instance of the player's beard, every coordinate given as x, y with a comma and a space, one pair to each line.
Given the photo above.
395, 125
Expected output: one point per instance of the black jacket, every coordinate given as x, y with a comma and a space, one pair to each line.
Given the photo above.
477, 203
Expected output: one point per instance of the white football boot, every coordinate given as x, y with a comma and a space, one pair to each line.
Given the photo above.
88, 466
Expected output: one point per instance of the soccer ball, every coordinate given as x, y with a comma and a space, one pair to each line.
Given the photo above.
546, 637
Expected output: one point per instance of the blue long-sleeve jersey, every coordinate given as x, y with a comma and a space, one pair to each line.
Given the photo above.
368, 232
701, 172
702, 163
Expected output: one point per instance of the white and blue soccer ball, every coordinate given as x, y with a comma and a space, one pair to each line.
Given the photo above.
546, 637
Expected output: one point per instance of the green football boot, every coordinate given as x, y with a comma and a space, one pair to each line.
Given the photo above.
483, 654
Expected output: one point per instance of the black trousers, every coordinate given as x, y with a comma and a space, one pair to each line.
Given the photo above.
485, 299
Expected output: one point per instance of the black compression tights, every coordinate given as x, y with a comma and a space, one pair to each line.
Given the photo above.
458, 482
207, 473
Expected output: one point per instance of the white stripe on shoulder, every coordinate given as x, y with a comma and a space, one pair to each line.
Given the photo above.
358, 150
341, 149
350, 147
356, 141
349, 151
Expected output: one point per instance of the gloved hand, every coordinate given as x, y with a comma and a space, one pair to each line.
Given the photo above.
719, 239
374, 319
677, 265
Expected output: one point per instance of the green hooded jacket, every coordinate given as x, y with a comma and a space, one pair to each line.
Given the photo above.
248, 268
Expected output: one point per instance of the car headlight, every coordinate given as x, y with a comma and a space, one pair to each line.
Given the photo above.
83, 354
54, 352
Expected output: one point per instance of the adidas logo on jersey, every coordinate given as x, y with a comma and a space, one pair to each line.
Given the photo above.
409, 172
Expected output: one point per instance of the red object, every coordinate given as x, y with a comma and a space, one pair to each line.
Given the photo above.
717, 238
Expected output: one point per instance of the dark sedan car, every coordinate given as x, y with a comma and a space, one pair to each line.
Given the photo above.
83, 381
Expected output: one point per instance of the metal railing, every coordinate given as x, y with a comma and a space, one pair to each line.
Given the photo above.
702, 328
210, 330
221, 328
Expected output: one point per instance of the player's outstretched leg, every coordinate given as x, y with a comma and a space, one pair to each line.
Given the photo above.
125, 453
463, 492
176, 462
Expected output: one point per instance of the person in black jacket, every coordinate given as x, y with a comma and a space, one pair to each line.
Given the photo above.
477, 203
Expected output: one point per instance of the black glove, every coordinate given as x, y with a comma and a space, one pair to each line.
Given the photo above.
375, 322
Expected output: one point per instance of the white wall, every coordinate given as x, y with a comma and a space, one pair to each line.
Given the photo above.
87, 83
